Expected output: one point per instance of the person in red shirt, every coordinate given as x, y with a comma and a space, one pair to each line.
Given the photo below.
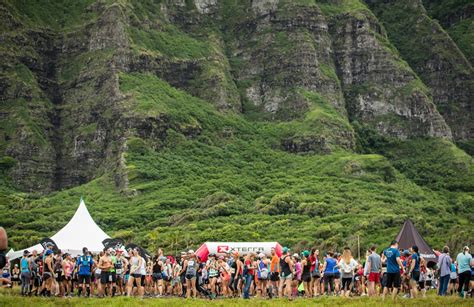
248, 274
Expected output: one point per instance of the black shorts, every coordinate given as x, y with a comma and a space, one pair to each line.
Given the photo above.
415, 276
157, 276
346, 283
274, 276
421, 284
47, 275
190, 277
453, 281
105, 277
306, 278
393, 280
60, 277
337, 275
84, 279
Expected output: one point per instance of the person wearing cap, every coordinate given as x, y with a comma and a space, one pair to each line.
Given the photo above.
394, 264
463, 261
286, 273
25, 272
306, 274
297, 276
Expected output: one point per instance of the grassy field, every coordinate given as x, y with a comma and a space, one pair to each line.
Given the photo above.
11, 298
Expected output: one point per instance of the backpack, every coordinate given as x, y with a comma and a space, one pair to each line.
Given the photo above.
85, 260
262, 271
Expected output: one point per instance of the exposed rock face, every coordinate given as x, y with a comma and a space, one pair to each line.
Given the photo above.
65, 121
378, 87
280, 48
448, 73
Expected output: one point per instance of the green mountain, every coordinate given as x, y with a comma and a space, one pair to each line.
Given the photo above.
184, 121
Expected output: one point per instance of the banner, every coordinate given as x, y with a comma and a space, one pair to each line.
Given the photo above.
113, 243
49, 242
140, 249
243, 248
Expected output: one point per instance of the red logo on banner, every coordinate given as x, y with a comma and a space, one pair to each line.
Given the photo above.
222, 249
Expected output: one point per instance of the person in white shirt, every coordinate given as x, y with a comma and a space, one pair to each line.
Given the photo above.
347, 264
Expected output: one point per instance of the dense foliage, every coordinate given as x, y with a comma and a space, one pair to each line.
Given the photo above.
211, 175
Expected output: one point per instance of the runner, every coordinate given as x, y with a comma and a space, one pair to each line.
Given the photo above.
105, 265
329, 268
286, 273
135, 275
235, 273
213, 273
157, 276
120, 268
85, 263
48, 272
25, 272
463, 261
374, 266
68, 268
306, 274
414, 271
444, 268
315, 272
262, 272
347, 264
274, 273
190, 267
394, 264
224, 271
248, 274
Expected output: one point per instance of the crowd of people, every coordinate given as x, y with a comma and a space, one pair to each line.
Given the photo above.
292, 275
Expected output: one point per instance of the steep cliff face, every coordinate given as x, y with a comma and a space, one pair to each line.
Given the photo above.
434, 56
310, 68
379, 87
456, 17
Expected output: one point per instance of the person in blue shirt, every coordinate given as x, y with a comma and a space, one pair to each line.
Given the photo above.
25, 272
84, 263
394, 264
414, 271
329, 269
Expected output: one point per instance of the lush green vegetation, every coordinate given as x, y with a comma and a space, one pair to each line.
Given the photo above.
233, 181
454, 17
210, 175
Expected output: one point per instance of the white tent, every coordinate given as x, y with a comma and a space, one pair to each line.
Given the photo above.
81, 231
